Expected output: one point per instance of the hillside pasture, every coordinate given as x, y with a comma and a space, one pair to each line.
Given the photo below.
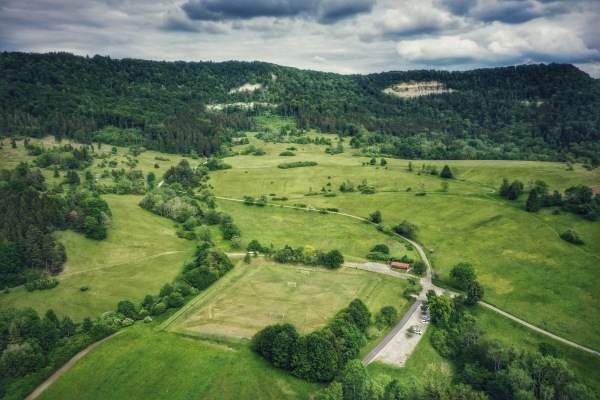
142, 364
264, 293
525, 268
140, 255
297, 228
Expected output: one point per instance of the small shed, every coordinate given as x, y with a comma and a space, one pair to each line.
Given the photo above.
399, 265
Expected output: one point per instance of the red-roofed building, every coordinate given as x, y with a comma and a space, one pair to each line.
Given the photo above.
399, 265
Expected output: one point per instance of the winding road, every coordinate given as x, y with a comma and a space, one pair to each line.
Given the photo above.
427, 284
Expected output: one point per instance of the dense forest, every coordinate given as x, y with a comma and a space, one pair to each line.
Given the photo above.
531, 112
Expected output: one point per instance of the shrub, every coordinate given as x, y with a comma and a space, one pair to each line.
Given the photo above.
175, 300
147, 319
126, 307
158, 309
287, 154
297, 164
572, 237
84, 288
381, 248
377, 256
127, 322
419, 267
40, 282
406, 229
387, 316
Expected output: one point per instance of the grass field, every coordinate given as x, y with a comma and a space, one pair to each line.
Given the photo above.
140, 255
281, 226
525, 267
142, 364
256, 295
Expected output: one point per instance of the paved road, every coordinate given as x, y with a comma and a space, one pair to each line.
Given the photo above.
427, 283
396, 331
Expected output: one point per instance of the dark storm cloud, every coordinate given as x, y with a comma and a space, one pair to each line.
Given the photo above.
330, 12
324, 11
506, 11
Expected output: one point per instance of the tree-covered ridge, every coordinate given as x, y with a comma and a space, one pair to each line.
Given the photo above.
548, 112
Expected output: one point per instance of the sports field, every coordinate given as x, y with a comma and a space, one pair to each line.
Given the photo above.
263, 293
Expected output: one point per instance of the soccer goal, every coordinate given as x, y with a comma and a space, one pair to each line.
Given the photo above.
291, 284
276, 315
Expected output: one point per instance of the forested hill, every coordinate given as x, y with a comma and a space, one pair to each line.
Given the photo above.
546, 112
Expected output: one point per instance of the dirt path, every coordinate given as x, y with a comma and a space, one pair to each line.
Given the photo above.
40, 389
122, 263
535, 328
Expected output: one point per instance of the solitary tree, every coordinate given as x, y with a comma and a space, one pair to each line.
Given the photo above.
334, 259
446, 173
383, 162
475, 293
419, 267
410, 166
463, 273
533, 201
375, 217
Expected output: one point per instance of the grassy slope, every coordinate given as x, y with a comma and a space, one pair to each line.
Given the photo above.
128, 264
525, 267
141, 364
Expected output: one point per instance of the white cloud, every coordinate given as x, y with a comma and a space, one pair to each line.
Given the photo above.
446, 47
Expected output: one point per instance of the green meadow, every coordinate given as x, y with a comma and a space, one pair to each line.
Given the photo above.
143, 364
526, 269
140, 255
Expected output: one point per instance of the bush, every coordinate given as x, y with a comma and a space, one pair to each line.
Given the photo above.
158, 309
40, 282
147, 319
297, 164
406, 229
127, 322
381, 248
377, 256
287, 154
419, 267
572, 237
387, 316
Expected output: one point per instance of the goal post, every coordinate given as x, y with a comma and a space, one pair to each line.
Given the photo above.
276, 315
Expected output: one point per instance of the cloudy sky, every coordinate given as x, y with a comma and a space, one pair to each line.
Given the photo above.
345, 36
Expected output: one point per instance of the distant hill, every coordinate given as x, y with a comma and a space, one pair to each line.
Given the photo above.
541, 112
